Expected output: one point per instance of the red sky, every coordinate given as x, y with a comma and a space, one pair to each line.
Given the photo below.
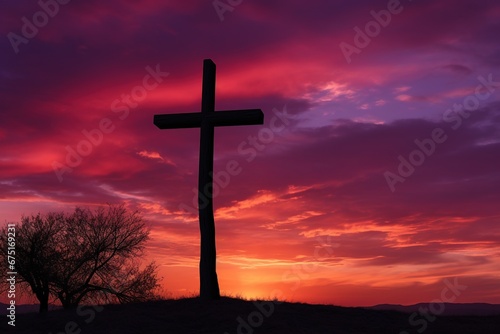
318, 211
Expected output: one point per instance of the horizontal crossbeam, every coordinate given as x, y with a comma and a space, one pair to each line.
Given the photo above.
217, 118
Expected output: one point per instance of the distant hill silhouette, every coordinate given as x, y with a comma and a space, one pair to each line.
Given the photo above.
229, 315
449, 308
25, 308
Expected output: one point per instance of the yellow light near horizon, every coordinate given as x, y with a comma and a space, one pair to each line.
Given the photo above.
248, 294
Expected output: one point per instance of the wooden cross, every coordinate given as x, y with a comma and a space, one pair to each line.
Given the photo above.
207, 120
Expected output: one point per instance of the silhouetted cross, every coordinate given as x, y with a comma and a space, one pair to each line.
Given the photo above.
207, 120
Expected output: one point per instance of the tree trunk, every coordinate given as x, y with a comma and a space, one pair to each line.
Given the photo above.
68, 304
44, 304
42, 294
67, 301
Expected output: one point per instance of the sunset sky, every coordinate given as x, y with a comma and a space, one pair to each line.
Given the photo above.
374, 179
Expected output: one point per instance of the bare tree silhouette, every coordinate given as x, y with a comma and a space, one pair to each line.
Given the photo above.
84, 256
33, 257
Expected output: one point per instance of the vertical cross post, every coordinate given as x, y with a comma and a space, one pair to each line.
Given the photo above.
209, 285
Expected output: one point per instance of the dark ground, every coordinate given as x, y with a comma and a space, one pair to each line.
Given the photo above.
230, 315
